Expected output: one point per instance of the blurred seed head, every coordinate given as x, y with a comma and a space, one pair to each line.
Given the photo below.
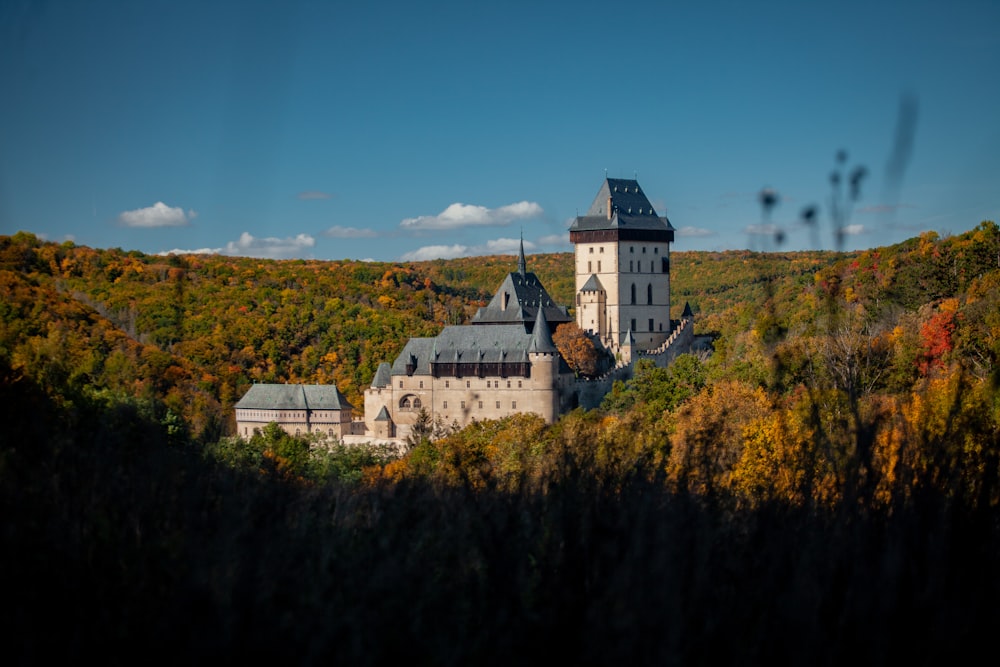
857, 175
768, 199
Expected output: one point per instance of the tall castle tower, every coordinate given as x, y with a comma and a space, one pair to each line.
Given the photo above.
622, 259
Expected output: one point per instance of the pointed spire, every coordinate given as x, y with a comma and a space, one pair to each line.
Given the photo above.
628, 340
522, 266
541, 336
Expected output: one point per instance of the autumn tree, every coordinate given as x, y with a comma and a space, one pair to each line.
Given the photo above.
576, 348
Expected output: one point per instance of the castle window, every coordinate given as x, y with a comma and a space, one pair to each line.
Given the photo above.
650, 324
661, 326
591, 251
631, 248
513, 405
518, 384
463, 405
633, 326
631, 266
643, 250
602, 249
649, 295
598, 266
508, 384
589, 270
468, 384
400, 384
416, 403
652, 267
421, 384
405, 403
445, 405
656, 251
447, 384
498, 405
666, 264
480, 405
633, 294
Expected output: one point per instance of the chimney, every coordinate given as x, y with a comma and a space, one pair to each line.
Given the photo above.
609, 207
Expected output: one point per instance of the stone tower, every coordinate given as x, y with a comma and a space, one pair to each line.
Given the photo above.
622, 266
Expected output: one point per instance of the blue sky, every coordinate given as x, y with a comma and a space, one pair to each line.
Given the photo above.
403, 130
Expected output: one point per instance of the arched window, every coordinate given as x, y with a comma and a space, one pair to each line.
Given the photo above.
633, 294
649, 294
405, 403
416, 403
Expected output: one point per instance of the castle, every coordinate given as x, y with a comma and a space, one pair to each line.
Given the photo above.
504, 361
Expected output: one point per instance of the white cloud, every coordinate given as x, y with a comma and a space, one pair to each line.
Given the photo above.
313, 194
269, 247
157, 215
764, 230
251, 246
853, 230
460, 215
554, 240
502, 246
492, 247
694, 232
434, 252
338, 232
198, 251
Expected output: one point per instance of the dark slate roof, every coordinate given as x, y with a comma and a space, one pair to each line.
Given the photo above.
629, 205
592, 285
541, 336
383, 375
524, 294
518, 299
294, 397
383, 415
470, 344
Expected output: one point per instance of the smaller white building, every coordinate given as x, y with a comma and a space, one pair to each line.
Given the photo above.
299, 409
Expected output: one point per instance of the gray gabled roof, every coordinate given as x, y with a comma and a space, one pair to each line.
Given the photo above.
471, 344
294, 397
383, 415
630, 208
517, 300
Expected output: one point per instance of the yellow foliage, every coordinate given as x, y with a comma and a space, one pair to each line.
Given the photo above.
708, 436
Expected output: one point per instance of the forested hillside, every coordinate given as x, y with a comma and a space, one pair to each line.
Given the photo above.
823, 488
